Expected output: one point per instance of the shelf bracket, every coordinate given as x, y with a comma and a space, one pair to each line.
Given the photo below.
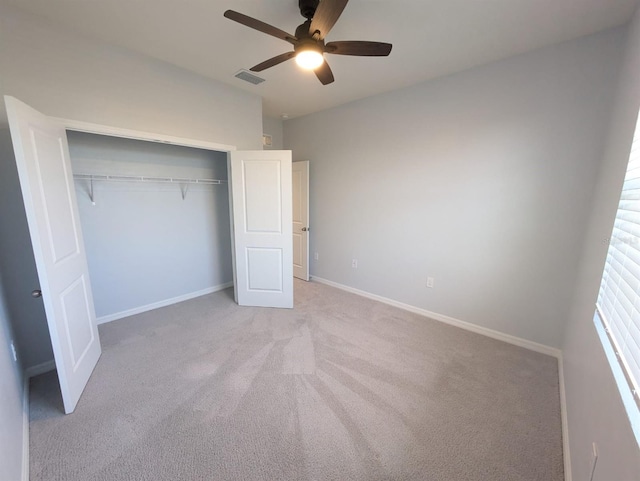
184, 188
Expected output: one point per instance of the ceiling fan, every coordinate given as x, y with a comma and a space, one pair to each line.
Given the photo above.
308, 41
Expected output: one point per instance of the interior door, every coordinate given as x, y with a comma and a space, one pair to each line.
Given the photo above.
262, 244
46, 180
300, 179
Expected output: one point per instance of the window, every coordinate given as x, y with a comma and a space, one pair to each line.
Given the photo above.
618, 306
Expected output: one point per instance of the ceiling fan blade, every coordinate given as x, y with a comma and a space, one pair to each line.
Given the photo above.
360, 48
326, 16
283, 57
260, 26
324, 73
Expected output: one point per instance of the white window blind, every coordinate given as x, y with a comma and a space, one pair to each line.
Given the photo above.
619, 300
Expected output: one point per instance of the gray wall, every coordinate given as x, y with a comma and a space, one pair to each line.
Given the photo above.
71, 76
273, 127
11, 399
481, 180
145, 244
595, 408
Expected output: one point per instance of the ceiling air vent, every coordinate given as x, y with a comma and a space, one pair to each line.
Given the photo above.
249, 77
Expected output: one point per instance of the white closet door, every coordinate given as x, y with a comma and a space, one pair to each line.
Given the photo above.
262, 227
44, 168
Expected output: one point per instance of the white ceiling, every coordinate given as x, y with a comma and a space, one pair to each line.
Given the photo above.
430, 38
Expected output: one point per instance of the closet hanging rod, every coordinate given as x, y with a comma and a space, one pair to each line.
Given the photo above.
142, 178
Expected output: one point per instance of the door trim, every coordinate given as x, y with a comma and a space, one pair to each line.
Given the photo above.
91, 128
108, 130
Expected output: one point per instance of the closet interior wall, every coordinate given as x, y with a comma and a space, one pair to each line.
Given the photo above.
151, 243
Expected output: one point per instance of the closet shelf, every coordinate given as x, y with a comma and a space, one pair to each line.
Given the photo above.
140, 178
183, 182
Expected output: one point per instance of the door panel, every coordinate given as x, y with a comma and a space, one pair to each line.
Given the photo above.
264, 269
46, 180
76, 316
261, 205
51, 175
262, 187
300, 181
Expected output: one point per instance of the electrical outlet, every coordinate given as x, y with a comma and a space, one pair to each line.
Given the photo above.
429, 282
594, 459
354, 263
316, 256
13, 352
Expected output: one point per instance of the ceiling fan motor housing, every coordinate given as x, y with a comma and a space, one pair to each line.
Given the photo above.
302, 32
308, 8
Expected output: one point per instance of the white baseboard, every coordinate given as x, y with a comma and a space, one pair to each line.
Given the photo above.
518, 341
39, 369
25, 427
566, 454
163, 303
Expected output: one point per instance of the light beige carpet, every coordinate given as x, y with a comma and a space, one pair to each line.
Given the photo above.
339, 388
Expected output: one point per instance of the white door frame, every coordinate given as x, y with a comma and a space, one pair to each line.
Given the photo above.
100, 129
123, 133
110, 131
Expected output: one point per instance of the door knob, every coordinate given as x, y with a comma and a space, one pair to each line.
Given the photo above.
305, 229
36, 293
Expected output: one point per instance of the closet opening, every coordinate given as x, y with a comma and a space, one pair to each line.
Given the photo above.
155, 220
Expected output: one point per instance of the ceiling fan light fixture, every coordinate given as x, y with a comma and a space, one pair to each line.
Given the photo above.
309, 59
